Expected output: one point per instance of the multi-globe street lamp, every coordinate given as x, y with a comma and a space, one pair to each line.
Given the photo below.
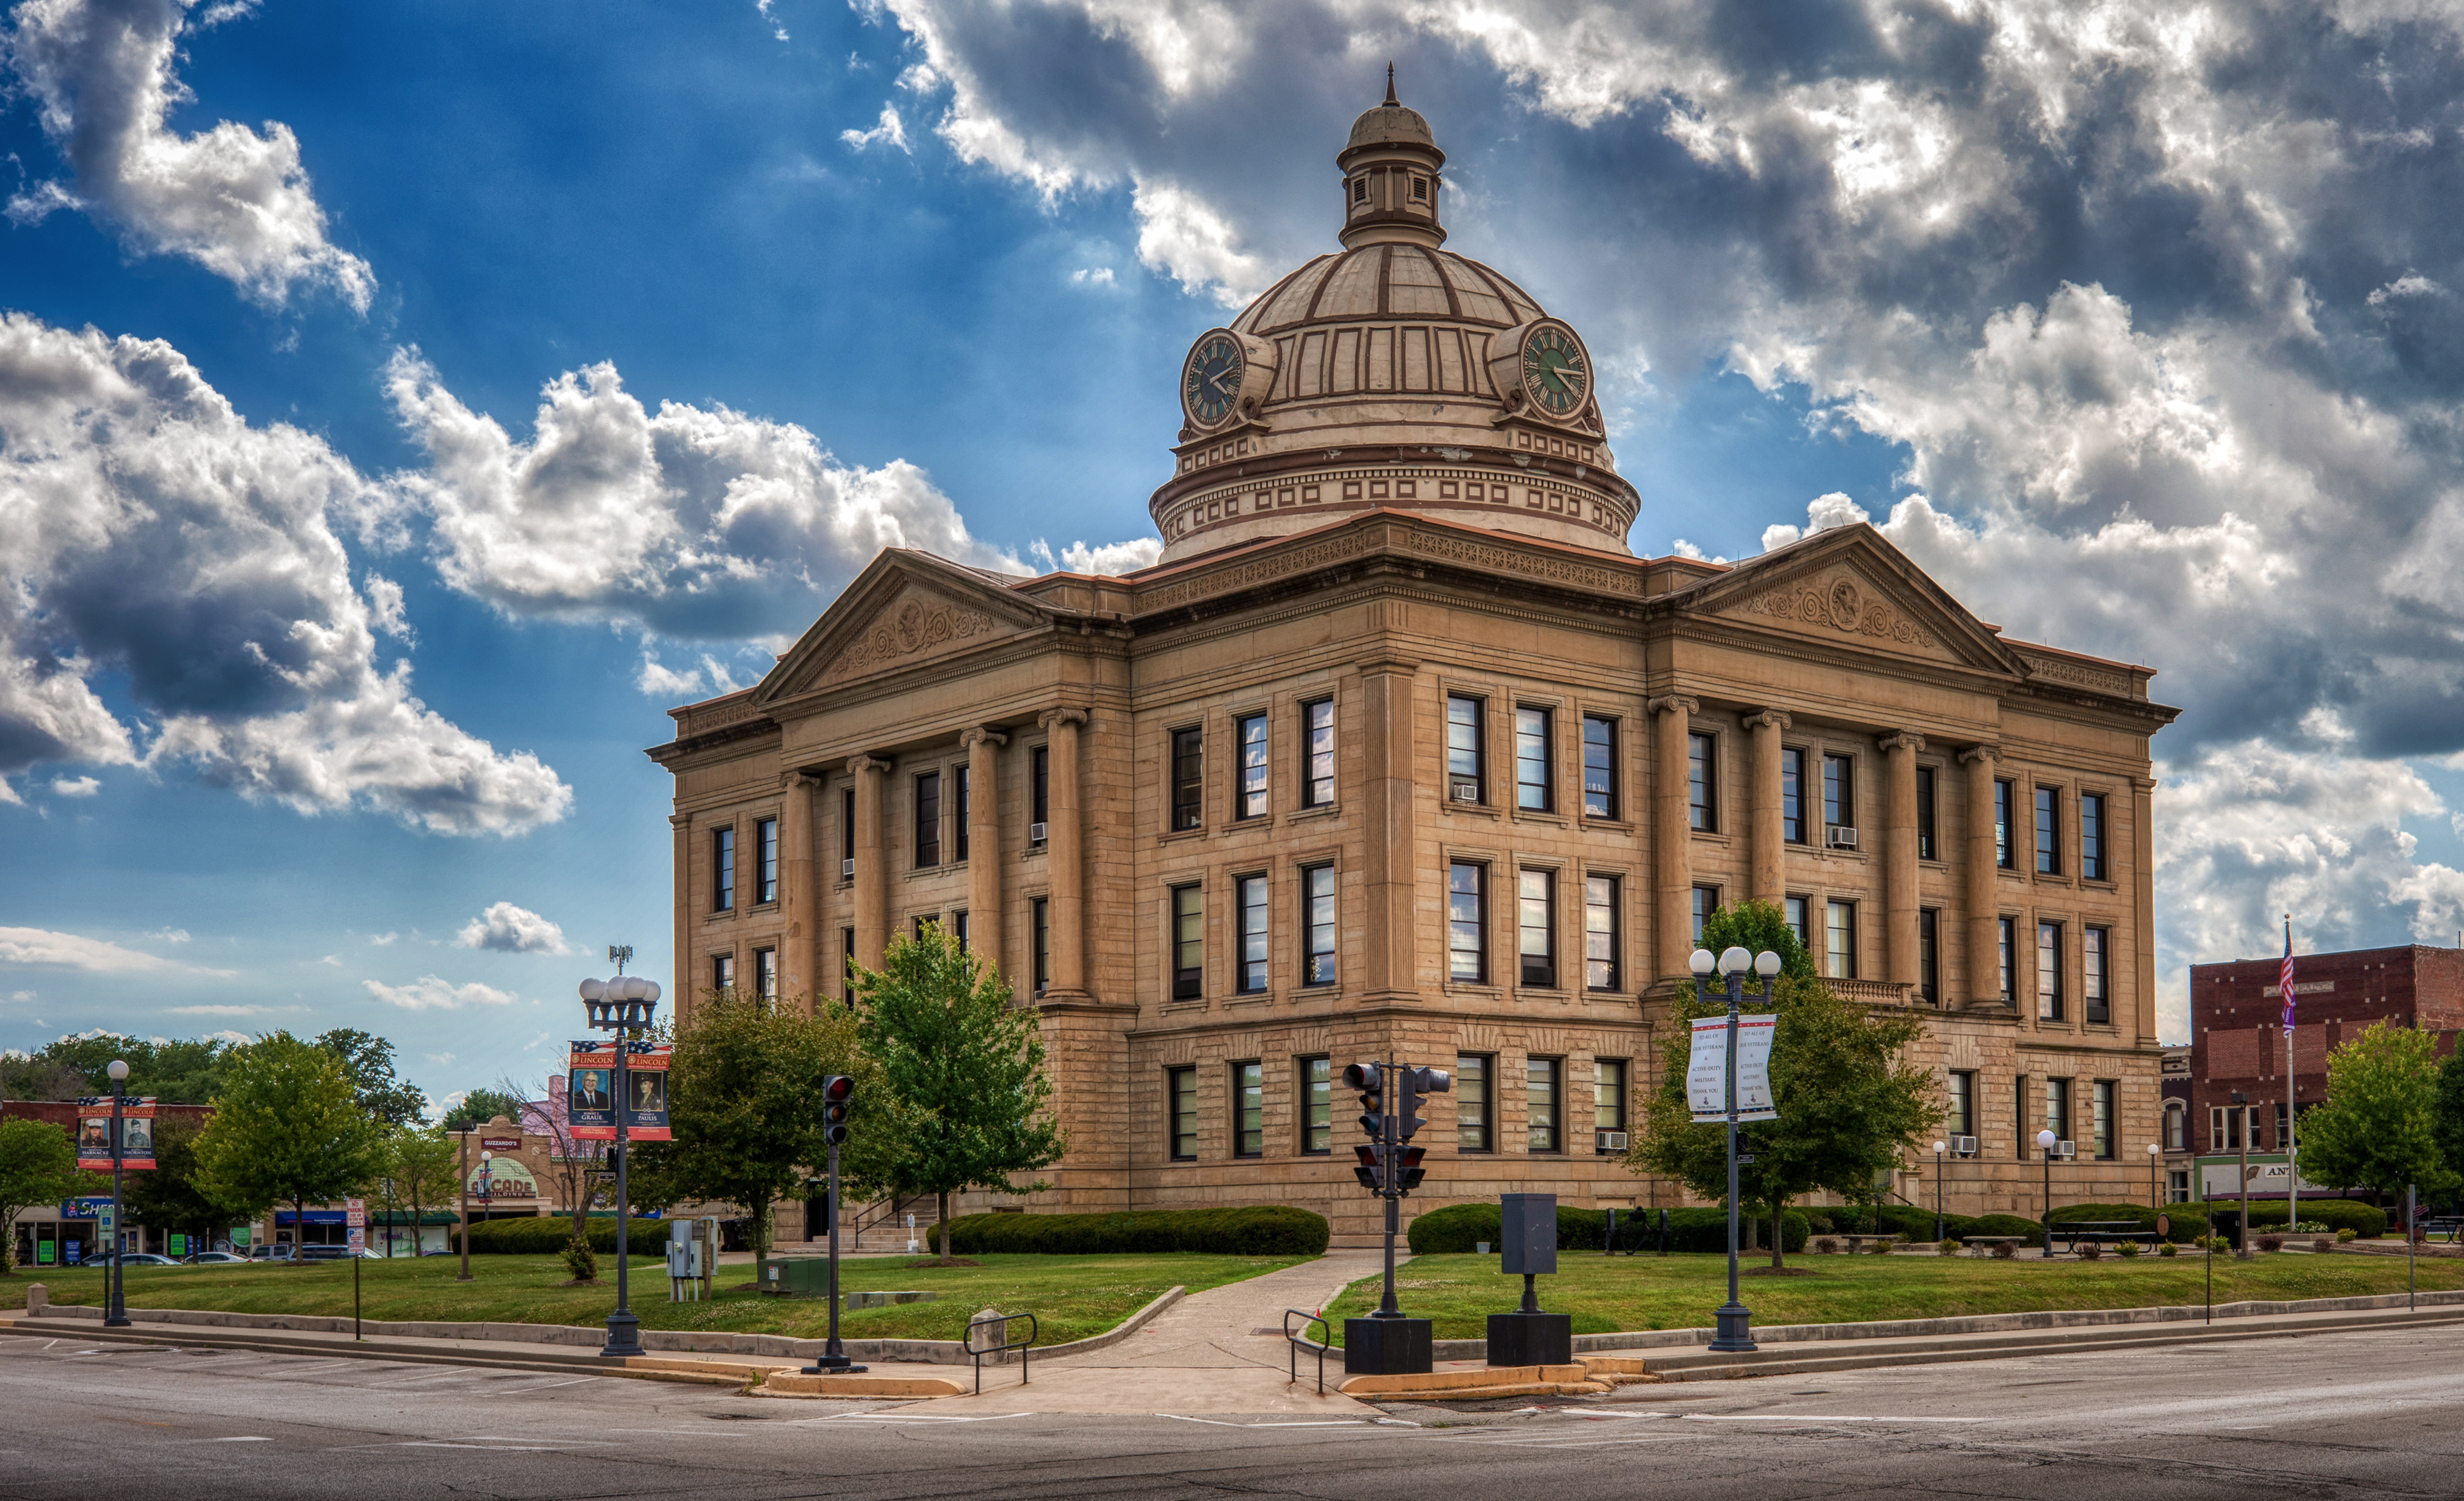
2153, 1152
1734, 1321
1938, 1148
624, 1005
2047, 1141
115, 1313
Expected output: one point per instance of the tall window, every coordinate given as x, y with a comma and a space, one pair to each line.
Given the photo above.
1252, 799
1706, 901
924, 920
2101, 1117
2004, 856
1601, 946
2058, 1109
928, 820
2049, 971
1188, 777
1039, 928
722, 972
2007, 936
959, 928
1599, 767
2049, 849
1703, 782
1250, 894
1533, 787
1466, 941
1792, 794
765, 860
1317, 924
1608, 1097
1929, 954
958, 823
2095, 974
1180, 1089
1928, 848
1317, 1106
1472, 1120
1249, 1110
1537, 927
846, 832
722, 869
1960, 1116
1543, 1100
1317, 750
847, 966
1188, 943
1840, 940
2224, 1127
1463, 772
1839, 792
1798, 910
1038, 790
765, 974
2019, 1114
2173, 1128
2091, 817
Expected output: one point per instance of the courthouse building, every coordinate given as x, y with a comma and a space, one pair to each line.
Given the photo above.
1400, 750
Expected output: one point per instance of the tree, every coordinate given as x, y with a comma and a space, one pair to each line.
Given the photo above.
368, 1060
288, 1127
171, 1196
576, 1163
418, 1168
38, 1166
967, 1065
2446, 1115
175, 1072
2378, 1129
1849, 1104
481, 1106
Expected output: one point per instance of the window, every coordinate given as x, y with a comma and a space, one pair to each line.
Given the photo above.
846, 832
1799, 912
2004, 856
1706, 901
2049, 971
2173, 1128
1038, 792
1840, 940
1466, 941
1462, 750
1960, 1116
1601, 946
958, 826
765, 974
958, 929
1541, 1076
1608, 1098
1188, 777
1317, 1114
924, 920
2008, 931
1317, 750
928, 820
1251, 802
1039, 929
1928, 848
1702, 782
722, 972
2177, 1186
1792, 794
722, 869
2101, 1119
1532, 780
1249, 896
2224, 1128
1929, 954
1360, 189
2095, 977
2279, 1127
2019, 1114
1535, 927
1419, 190
847, 965
2049, 849
765, 860
1188, 943
1180, 1089
1599, 767
1838, 793
2091, 817
1317, 924
1249, 1110
2058, 1109
1471, 1108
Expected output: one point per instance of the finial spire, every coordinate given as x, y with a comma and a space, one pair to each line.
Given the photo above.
1390, 85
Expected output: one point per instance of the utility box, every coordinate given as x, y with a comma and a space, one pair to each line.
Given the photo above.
1528, 1243
799, 1277
1529, 1336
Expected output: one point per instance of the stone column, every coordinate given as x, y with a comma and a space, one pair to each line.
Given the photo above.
1769, 839
1064, 854
1389, 855
799, 896
1983, 908
871, 860
688, 973
1672, 835
2143, 909
984, 844
1899, 856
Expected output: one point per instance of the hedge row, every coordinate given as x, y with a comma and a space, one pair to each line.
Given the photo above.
2337, 1214
545, 1236
1260, 1230
1462, 1227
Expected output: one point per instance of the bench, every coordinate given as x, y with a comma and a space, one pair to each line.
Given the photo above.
2450, 1224
2100, 1232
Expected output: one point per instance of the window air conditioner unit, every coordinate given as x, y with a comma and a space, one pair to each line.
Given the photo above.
2066, 1148
1612, 1140
847, 869
1467, 791
1035, 833
1839, 836
1964, 1146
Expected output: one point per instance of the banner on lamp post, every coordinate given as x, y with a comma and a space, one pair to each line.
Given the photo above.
1707, 1069
590, 1102
645, 1092
93, 1133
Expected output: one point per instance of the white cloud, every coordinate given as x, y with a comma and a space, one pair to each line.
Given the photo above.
235, 1039
661, 681
150, 534
172, 935
1189, 239
382, 939
509, 929
232, 1010
236, 201
385, 608
1123, 557
778, 27
1092, 276
75, 786
429, 993
69, 951
889, 131
334, 959
23, 995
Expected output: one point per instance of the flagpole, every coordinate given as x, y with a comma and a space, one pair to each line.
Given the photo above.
2292, 1094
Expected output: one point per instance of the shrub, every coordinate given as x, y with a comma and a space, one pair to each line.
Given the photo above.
2325, 1243
1950, 1246
1255, 1231
2347, 1234
2090, 1250
1827, 1246
2188, 1220
542, 1236
1819, 1222
2004, 1250
580, 1261
2168, 1248
2271, 1243
2337, 1214
2127, 1248
1880, 1247
2004, 1225
1459, 1227
2214, 1243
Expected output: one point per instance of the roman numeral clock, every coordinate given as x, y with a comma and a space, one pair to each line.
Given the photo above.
1542, 367
1226, 376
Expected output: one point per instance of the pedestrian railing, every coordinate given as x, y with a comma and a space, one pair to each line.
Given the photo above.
1007, 1345
1301, 1341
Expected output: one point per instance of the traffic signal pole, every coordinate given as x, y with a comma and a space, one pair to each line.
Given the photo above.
1390, 1182
838, 1094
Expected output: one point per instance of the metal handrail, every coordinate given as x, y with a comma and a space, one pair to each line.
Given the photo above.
1300, 1342
1033, 1329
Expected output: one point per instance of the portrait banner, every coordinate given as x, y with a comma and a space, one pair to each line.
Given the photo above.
646, 1090
93, 1133
590, 1092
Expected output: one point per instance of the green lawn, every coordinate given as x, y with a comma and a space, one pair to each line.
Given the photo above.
1605, 1292
1072, 1296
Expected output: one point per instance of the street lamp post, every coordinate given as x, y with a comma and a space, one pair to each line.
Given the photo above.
116, 1314
2047, 1140
1734, 1321
465, 1175
1938, 1148
2153, 1202
623, 1005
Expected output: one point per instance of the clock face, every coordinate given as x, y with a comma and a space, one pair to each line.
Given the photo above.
1556, 375
1210, 382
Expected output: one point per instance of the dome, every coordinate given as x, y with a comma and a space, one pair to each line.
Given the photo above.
1389, 124
1388, 281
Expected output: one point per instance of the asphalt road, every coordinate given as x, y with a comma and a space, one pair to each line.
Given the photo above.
2378, 1414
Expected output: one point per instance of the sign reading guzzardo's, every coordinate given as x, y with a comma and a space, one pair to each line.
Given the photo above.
136, 1132
590, 1101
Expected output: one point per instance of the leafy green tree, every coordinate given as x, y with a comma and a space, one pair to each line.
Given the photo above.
368, 1060
417, 1168
175, 1072
38, 1166
288, 1127
2378, 1129
1849, 1104
481, 1106
172, 1197
967, 1064
2446, 1114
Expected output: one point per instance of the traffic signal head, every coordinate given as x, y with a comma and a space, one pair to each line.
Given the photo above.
837, 1093
1413, 1171
1367, 1172
1417, 1084
1369, 1081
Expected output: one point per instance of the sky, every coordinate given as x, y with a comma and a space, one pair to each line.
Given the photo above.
401, 408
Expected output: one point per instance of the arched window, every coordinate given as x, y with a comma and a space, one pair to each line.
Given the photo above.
2173, 1126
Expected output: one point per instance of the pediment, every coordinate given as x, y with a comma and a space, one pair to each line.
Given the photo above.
904, 610
1849, 588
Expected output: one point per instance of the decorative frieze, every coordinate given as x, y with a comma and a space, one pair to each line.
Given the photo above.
1842, 604
907, 630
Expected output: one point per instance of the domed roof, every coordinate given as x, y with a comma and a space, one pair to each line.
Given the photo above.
1391, 125
1390, 281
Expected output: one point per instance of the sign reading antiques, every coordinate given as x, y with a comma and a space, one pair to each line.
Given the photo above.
590, 1100
1707, 1069
93, 1133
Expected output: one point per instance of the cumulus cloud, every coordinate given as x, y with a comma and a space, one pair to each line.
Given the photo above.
75, 786
74, 951
509, 929
1129, 557
149, 534
889, 131
429, 993
1190, 240
230, 199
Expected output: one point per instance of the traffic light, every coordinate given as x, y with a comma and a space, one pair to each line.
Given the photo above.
1367, 1172
1413, 1171
837, 1093
1369, 1081
1417, 1084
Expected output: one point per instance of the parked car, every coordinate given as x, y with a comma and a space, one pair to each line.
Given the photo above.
145, 1259
216, 1259
277, 1253
334, 1253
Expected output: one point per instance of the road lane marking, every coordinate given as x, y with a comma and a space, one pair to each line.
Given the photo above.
1800, 1417
1315, 1423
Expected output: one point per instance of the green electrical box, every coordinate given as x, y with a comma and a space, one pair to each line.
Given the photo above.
797, 1278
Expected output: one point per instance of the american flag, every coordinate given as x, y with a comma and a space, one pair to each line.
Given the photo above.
2285, 976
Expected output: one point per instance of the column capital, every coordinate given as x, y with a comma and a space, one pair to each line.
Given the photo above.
969, 739
798, 778
1980, 753
1903, 739
858, 765
1672, 703
1052, 717
1769, 719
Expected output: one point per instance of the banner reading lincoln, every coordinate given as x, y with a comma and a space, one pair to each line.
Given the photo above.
590, 1100
93, 1133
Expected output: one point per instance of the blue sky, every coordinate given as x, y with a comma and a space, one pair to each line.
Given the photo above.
2132, 323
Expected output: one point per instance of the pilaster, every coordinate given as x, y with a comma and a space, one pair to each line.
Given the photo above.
872, 861
1767, 831
1672, 835
1065, 852
1984, 910
985, 894
1899, 856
